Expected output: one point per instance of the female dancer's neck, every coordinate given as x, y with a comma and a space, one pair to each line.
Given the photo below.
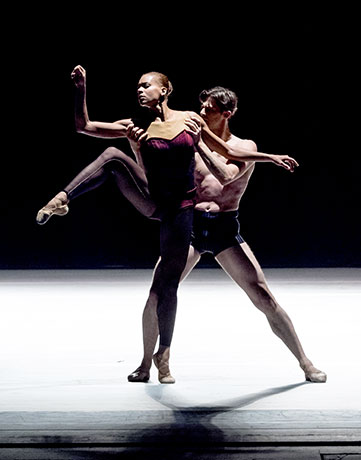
162, 111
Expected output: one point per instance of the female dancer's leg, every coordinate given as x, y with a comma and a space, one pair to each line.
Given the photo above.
175, 236
112, 163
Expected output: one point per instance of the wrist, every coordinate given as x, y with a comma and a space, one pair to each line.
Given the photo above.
80, 88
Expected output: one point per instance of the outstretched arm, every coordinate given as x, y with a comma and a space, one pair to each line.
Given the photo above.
237, 153
225, 172
82, 123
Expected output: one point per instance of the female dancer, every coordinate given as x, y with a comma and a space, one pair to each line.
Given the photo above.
160, 186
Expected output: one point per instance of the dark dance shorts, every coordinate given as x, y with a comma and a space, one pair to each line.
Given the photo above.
215, 231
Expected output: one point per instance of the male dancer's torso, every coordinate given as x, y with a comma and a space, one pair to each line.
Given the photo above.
211, 195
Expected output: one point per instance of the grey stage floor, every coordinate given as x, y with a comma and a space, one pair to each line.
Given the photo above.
68, 340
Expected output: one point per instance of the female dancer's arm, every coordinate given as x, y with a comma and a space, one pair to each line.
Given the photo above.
82, 123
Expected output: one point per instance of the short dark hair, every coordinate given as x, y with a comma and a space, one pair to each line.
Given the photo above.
224, 98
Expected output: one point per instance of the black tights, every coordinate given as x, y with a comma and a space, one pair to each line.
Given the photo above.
175, 237
175, 227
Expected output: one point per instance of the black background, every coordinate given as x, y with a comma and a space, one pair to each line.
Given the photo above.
286, 73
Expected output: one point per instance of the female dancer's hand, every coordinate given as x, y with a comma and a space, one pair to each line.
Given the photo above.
78, 76
135, 136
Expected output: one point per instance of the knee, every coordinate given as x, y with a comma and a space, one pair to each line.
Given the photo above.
172, 279
167, 288
152, 303
112, 153
153, 297
262, 298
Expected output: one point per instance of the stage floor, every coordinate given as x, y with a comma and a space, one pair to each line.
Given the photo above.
69, 338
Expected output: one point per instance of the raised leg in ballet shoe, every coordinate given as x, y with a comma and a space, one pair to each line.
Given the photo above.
57, 206
112, 164
161, 362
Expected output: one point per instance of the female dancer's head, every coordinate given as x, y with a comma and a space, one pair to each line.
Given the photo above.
153, 89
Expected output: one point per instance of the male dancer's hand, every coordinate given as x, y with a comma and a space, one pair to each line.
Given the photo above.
193, 127
78, 76
285, 162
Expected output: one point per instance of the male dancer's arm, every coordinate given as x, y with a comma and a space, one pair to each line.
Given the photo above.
82, 122
237, 153
224, 172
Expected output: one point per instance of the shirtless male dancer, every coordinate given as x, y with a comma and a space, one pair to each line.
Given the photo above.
221, 184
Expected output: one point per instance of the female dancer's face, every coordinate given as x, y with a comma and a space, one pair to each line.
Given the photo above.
150, 91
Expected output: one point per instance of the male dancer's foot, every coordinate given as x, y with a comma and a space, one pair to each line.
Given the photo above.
141, 374
57, 206
312, 374
161, 361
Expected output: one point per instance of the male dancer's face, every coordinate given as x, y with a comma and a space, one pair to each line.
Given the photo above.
210, 112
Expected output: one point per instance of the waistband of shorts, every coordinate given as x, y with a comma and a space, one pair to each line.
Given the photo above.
215, 215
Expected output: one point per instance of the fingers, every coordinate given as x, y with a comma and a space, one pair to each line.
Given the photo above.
199, 120
193, 121
288, 163
77, 72
192, 125
136, 134
292, 163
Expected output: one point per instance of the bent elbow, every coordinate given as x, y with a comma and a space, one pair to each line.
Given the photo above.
83, 127
80, 126
232, 154
79, 129
227, 179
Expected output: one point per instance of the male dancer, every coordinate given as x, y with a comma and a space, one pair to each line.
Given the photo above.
221, 184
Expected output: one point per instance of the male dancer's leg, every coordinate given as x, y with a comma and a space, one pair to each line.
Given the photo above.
242, 266
112, 163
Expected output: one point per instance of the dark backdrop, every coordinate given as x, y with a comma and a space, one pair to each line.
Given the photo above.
285, 75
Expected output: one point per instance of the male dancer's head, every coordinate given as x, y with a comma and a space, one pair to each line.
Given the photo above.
218, 105
222, 99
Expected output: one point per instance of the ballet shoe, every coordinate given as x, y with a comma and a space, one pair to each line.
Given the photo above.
58, 206
164, 375
45, 213
139, 375
316, 376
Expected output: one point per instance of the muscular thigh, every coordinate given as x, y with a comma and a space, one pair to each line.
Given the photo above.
241, 265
